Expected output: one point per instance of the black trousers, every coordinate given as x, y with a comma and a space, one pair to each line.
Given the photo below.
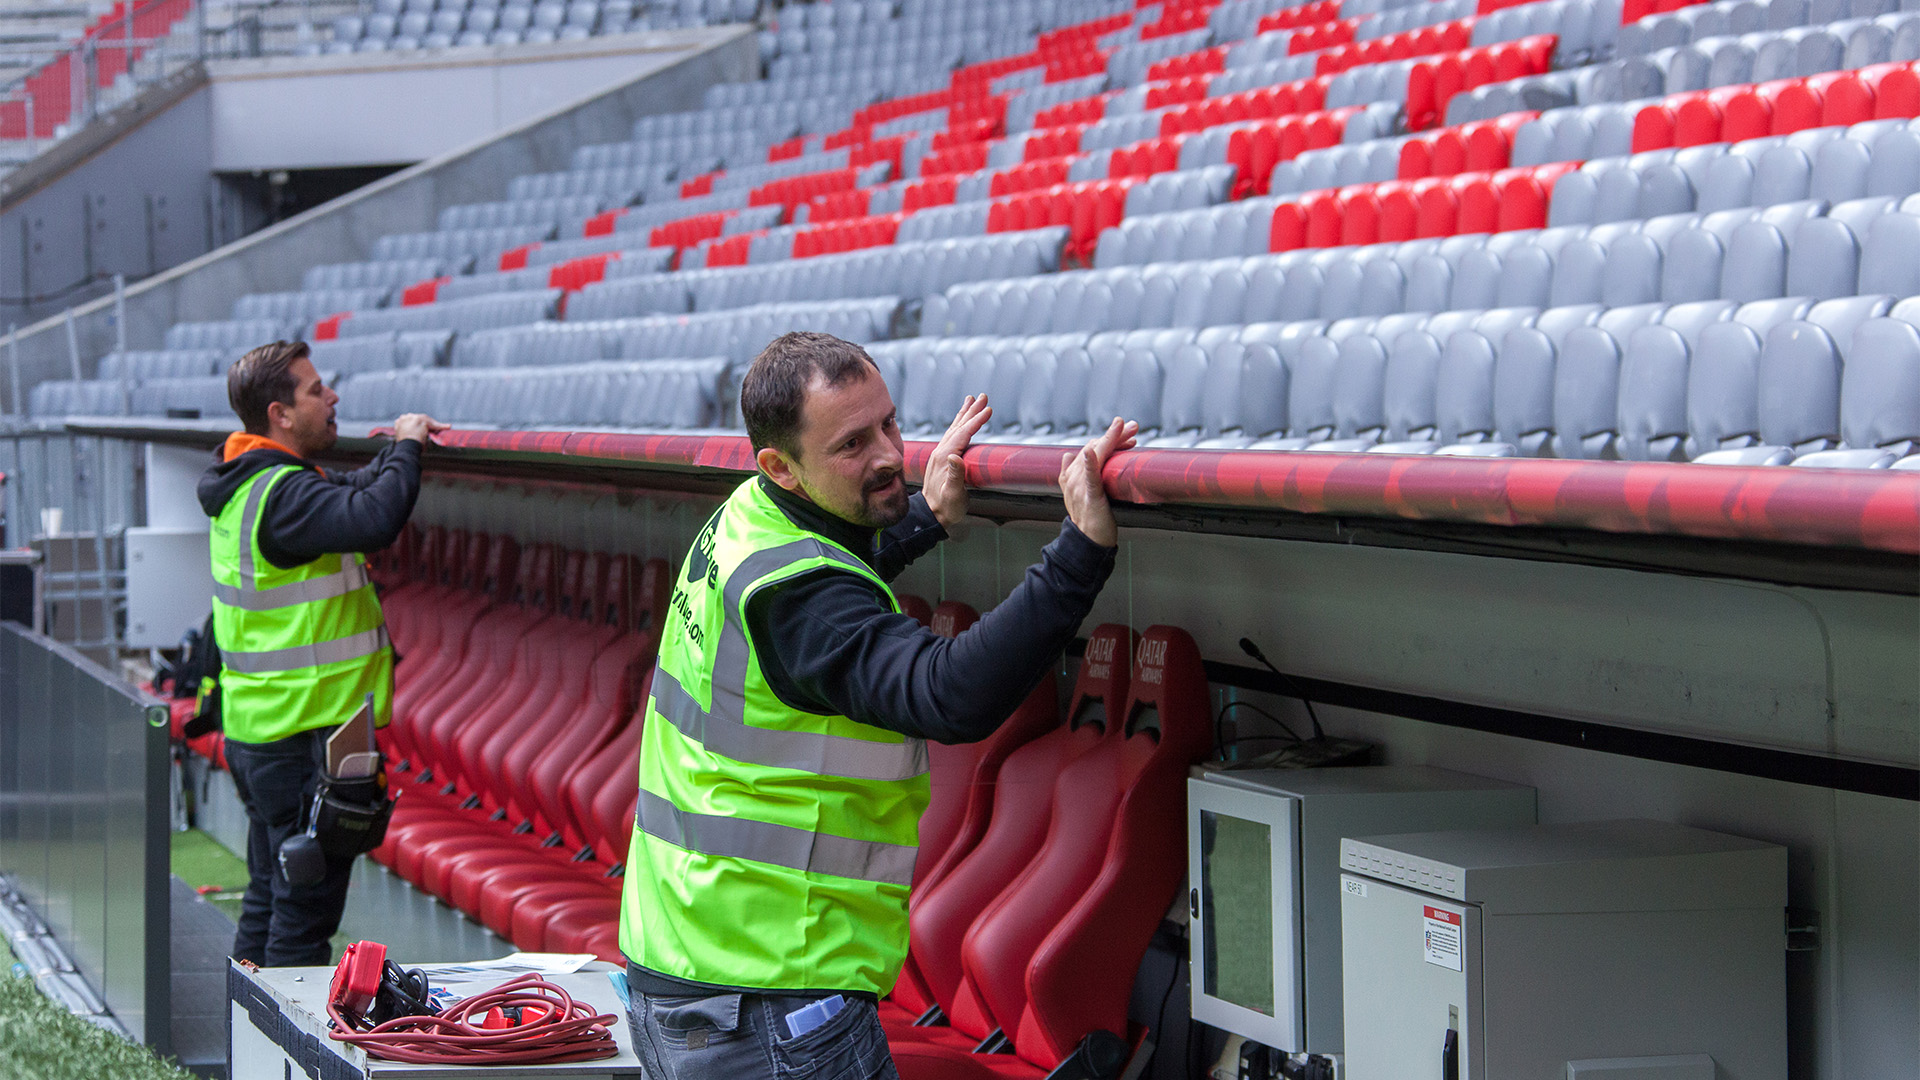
280, 925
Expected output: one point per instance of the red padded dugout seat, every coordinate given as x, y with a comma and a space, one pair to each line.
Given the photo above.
962, 781
427, 792
481, 575
467, 877
1014, 832
569, 730
470, 691
1053, 959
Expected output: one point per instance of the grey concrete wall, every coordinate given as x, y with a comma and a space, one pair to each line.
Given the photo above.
130, 201
388, 108
274, 259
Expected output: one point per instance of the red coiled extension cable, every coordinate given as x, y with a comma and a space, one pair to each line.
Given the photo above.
553, 1028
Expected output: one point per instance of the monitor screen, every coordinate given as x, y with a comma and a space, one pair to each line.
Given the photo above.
1236, 906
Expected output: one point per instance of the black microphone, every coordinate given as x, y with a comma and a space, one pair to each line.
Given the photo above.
1247, 646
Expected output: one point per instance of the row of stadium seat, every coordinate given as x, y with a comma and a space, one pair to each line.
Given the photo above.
1793, 249
652, 394
1754, 383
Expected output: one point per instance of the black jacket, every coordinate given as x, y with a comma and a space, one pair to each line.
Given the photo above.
316, 512
830, 644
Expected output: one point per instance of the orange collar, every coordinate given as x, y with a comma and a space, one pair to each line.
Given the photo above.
240, 442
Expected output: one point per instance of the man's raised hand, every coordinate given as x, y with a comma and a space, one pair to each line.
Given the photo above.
945, 486
1080, 486
417, 426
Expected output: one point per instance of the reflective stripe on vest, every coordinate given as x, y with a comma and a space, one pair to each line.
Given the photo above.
295, 657
725, 730
249, 597
781, 845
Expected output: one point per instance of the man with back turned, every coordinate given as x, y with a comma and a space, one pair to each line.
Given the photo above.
302, 639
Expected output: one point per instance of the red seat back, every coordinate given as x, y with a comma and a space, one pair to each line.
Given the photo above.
1024, 810
526, 680
1082, 974
950, 768
916, 609
603, 791
634, 604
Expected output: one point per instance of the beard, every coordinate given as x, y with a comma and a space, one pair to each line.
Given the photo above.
884, 505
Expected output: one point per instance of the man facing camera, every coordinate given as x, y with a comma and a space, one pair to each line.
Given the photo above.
783, 770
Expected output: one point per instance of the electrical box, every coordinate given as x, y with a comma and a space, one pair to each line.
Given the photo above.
169, 585
1263, 855
1555, 950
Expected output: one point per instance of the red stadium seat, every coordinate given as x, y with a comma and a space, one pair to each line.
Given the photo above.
1896, 94
1797, 107
1416, 158
1449, 152
1359, 210
1490, 143
963, 779
1399, 212
1844, 98
1014, 830
1746, 114
1288, 230
1052, 960
1479, 205
1439, 208
1697, 119
1653, 128
1323, 218
1525, 194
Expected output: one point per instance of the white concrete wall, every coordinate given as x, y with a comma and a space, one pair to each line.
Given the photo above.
394, 108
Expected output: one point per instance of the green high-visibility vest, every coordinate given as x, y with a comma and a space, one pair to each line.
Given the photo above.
773, 848
300, 648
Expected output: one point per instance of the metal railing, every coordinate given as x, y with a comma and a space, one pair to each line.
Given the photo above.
84, 896
72, 498
140, 48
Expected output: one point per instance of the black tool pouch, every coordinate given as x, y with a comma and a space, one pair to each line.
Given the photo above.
350, 816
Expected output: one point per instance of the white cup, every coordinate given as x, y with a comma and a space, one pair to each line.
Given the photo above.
51, 518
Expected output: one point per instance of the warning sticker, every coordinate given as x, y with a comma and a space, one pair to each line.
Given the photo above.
1442, 937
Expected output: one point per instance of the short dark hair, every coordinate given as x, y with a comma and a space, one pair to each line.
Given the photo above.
775, 387
262, 377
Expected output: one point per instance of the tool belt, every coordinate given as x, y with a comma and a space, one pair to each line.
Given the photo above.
349, 817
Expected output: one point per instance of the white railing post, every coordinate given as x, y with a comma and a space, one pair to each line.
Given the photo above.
73, 347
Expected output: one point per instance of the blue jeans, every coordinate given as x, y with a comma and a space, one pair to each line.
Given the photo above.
281, 925
744, 1037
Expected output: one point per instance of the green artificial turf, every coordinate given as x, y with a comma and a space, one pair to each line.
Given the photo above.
200, 861
39, 1040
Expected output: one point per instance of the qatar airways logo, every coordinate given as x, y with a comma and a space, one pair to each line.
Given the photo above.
1099, 658
1153, 657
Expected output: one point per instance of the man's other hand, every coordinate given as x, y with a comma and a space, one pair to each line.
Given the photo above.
1080, 486
417, 426
945, 486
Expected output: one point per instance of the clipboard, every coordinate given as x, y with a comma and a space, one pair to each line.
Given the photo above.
349, 741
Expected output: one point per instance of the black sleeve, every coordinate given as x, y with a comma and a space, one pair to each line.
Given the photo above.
914, 536
310, 513
829, 644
